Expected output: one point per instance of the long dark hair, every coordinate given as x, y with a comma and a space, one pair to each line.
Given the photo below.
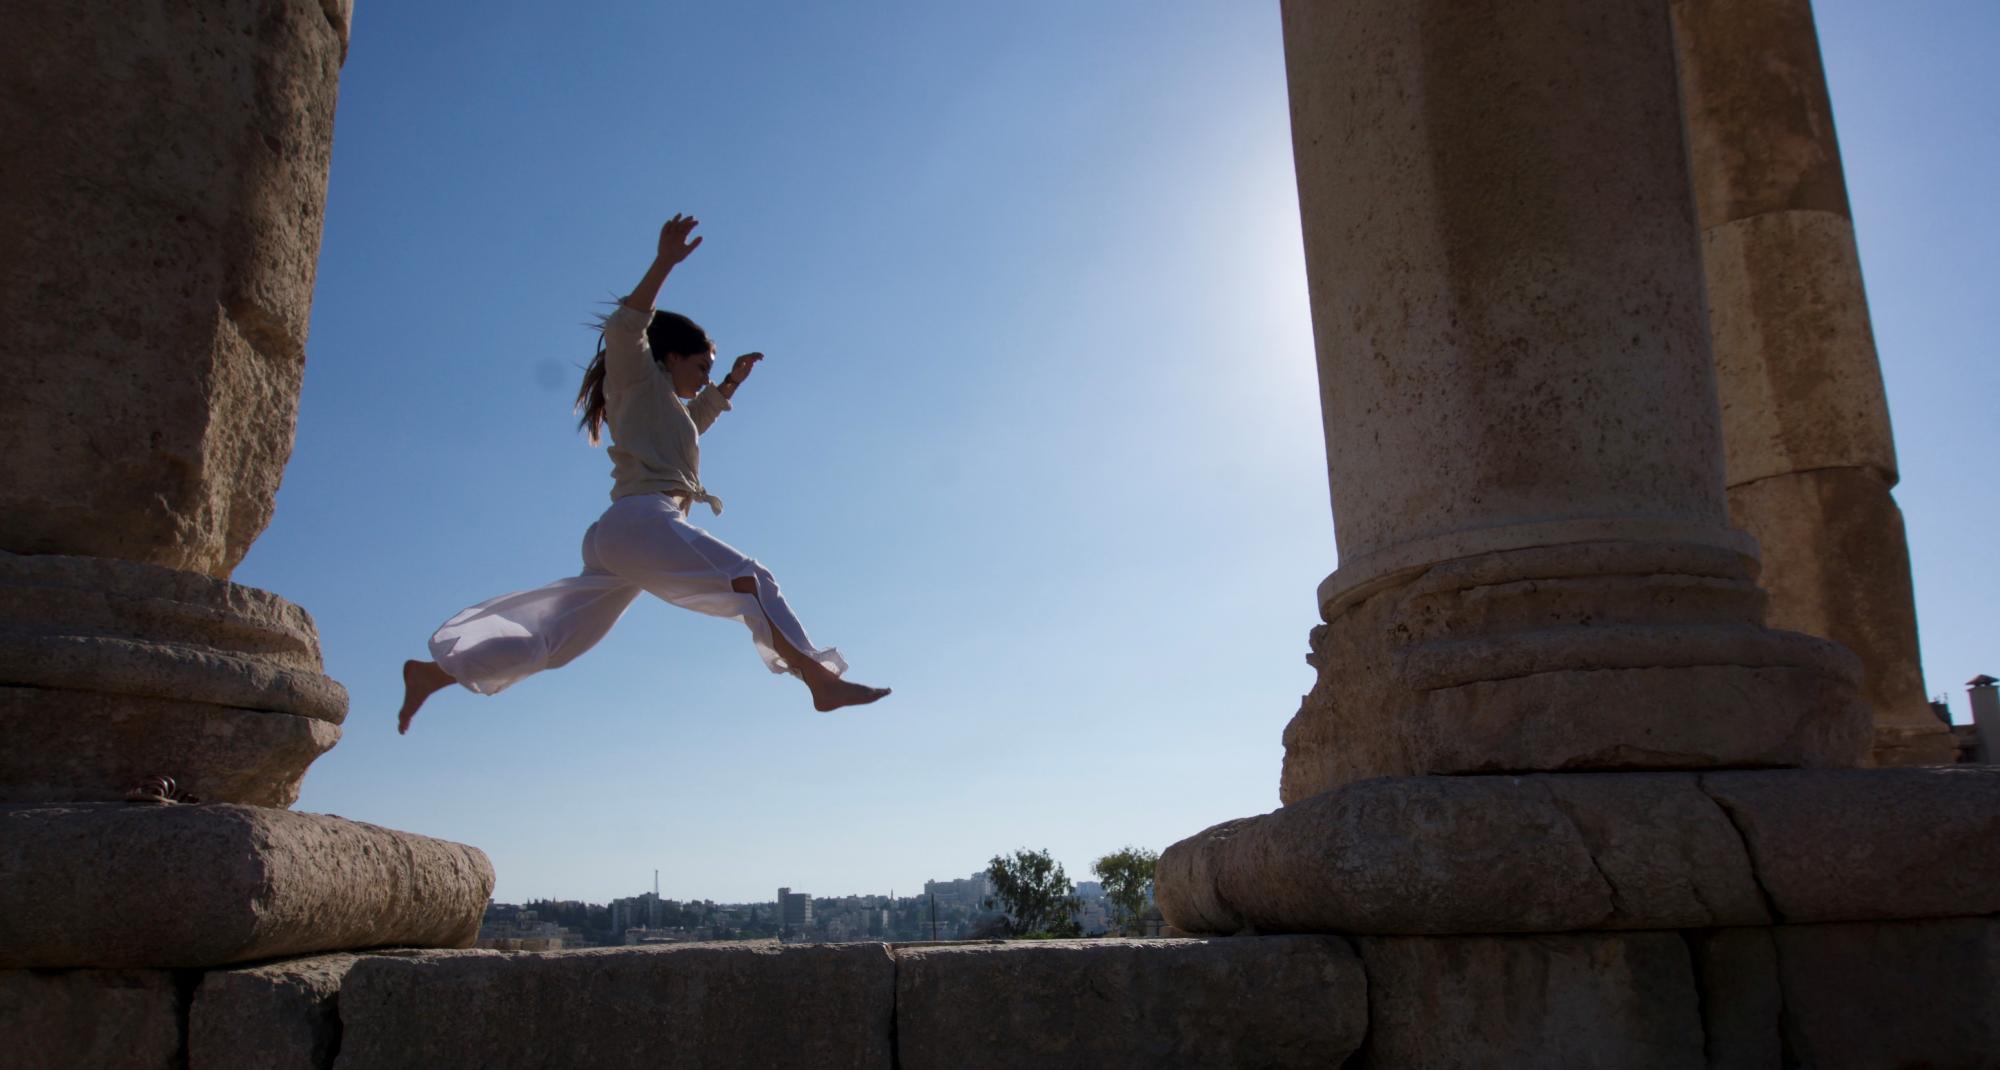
670, 332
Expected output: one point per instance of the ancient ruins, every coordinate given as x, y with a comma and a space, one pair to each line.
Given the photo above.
1617, 756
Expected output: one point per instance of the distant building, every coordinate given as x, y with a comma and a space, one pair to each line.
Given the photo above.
521, 931
970, 892
637, 912
795, 909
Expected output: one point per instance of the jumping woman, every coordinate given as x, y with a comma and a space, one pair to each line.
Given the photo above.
649, 385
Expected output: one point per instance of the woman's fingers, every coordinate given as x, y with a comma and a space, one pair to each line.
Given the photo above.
674, 237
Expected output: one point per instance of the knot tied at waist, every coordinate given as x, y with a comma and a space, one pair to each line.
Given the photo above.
687, 498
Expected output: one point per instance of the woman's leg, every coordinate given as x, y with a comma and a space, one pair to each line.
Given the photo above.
829, 692
421, 680
503, 640
647, 541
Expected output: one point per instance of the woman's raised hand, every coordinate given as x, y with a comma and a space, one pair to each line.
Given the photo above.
740, 370
674, 243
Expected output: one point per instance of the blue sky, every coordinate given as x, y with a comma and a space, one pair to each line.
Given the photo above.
1037, 442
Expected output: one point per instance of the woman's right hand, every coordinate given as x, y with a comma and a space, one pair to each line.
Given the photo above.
674, 243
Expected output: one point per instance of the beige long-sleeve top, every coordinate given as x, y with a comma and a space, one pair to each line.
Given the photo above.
655, 439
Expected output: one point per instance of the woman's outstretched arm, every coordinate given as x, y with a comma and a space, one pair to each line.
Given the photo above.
674, 248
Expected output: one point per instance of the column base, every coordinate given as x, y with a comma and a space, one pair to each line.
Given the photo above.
113, 672
1586, 656
136, 885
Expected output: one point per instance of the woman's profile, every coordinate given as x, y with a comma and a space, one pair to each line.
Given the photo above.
648, 386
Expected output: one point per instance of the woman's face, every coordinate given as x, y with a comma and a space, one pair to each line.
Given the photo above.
690, 373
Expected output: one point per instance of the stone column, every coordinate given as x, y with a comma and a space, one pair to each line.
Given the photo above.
1537, 572
159, 231
1538, 583
166, 183
1805, 424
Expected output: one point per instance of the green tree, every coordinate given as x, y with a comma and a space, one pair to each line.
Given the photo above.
1036, 895
1128, 882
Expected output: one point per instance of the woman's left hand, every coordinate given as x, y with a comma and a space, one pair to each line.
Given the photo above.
740, 370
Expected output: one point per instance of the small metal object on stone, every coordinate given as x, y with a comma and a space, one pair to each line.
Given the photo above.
158, 791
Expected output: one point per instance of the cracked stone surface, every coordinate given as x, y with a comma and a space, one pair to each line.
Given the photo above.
1867, 844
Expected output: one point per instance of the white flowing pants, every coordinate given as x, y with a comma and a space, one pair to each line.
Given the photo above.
642, 543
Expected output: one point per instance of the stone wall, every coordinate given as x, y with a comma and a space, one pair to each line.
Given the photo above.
1840, 995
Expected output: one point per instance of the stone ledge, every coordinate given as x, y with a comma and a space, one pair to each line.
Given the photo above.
113, 885
1848, 995
1280, 1001
1572, 852
1870, 844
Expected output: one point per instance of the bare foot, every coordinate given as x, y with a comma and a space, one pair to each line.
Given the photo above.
836, 693
421, 680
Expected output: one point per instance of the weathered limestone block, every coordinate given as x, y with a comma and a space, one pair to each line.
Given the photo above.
1555, 853
90, 1020
1867, 844
1904, 994
1760, 124
689, 1006
1794, 354
112, 671
1736, 971
1255, 1001
1626, 1000
279, 1016
1189, 881
122, 885
1838, 566
166, 181
1470, 855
